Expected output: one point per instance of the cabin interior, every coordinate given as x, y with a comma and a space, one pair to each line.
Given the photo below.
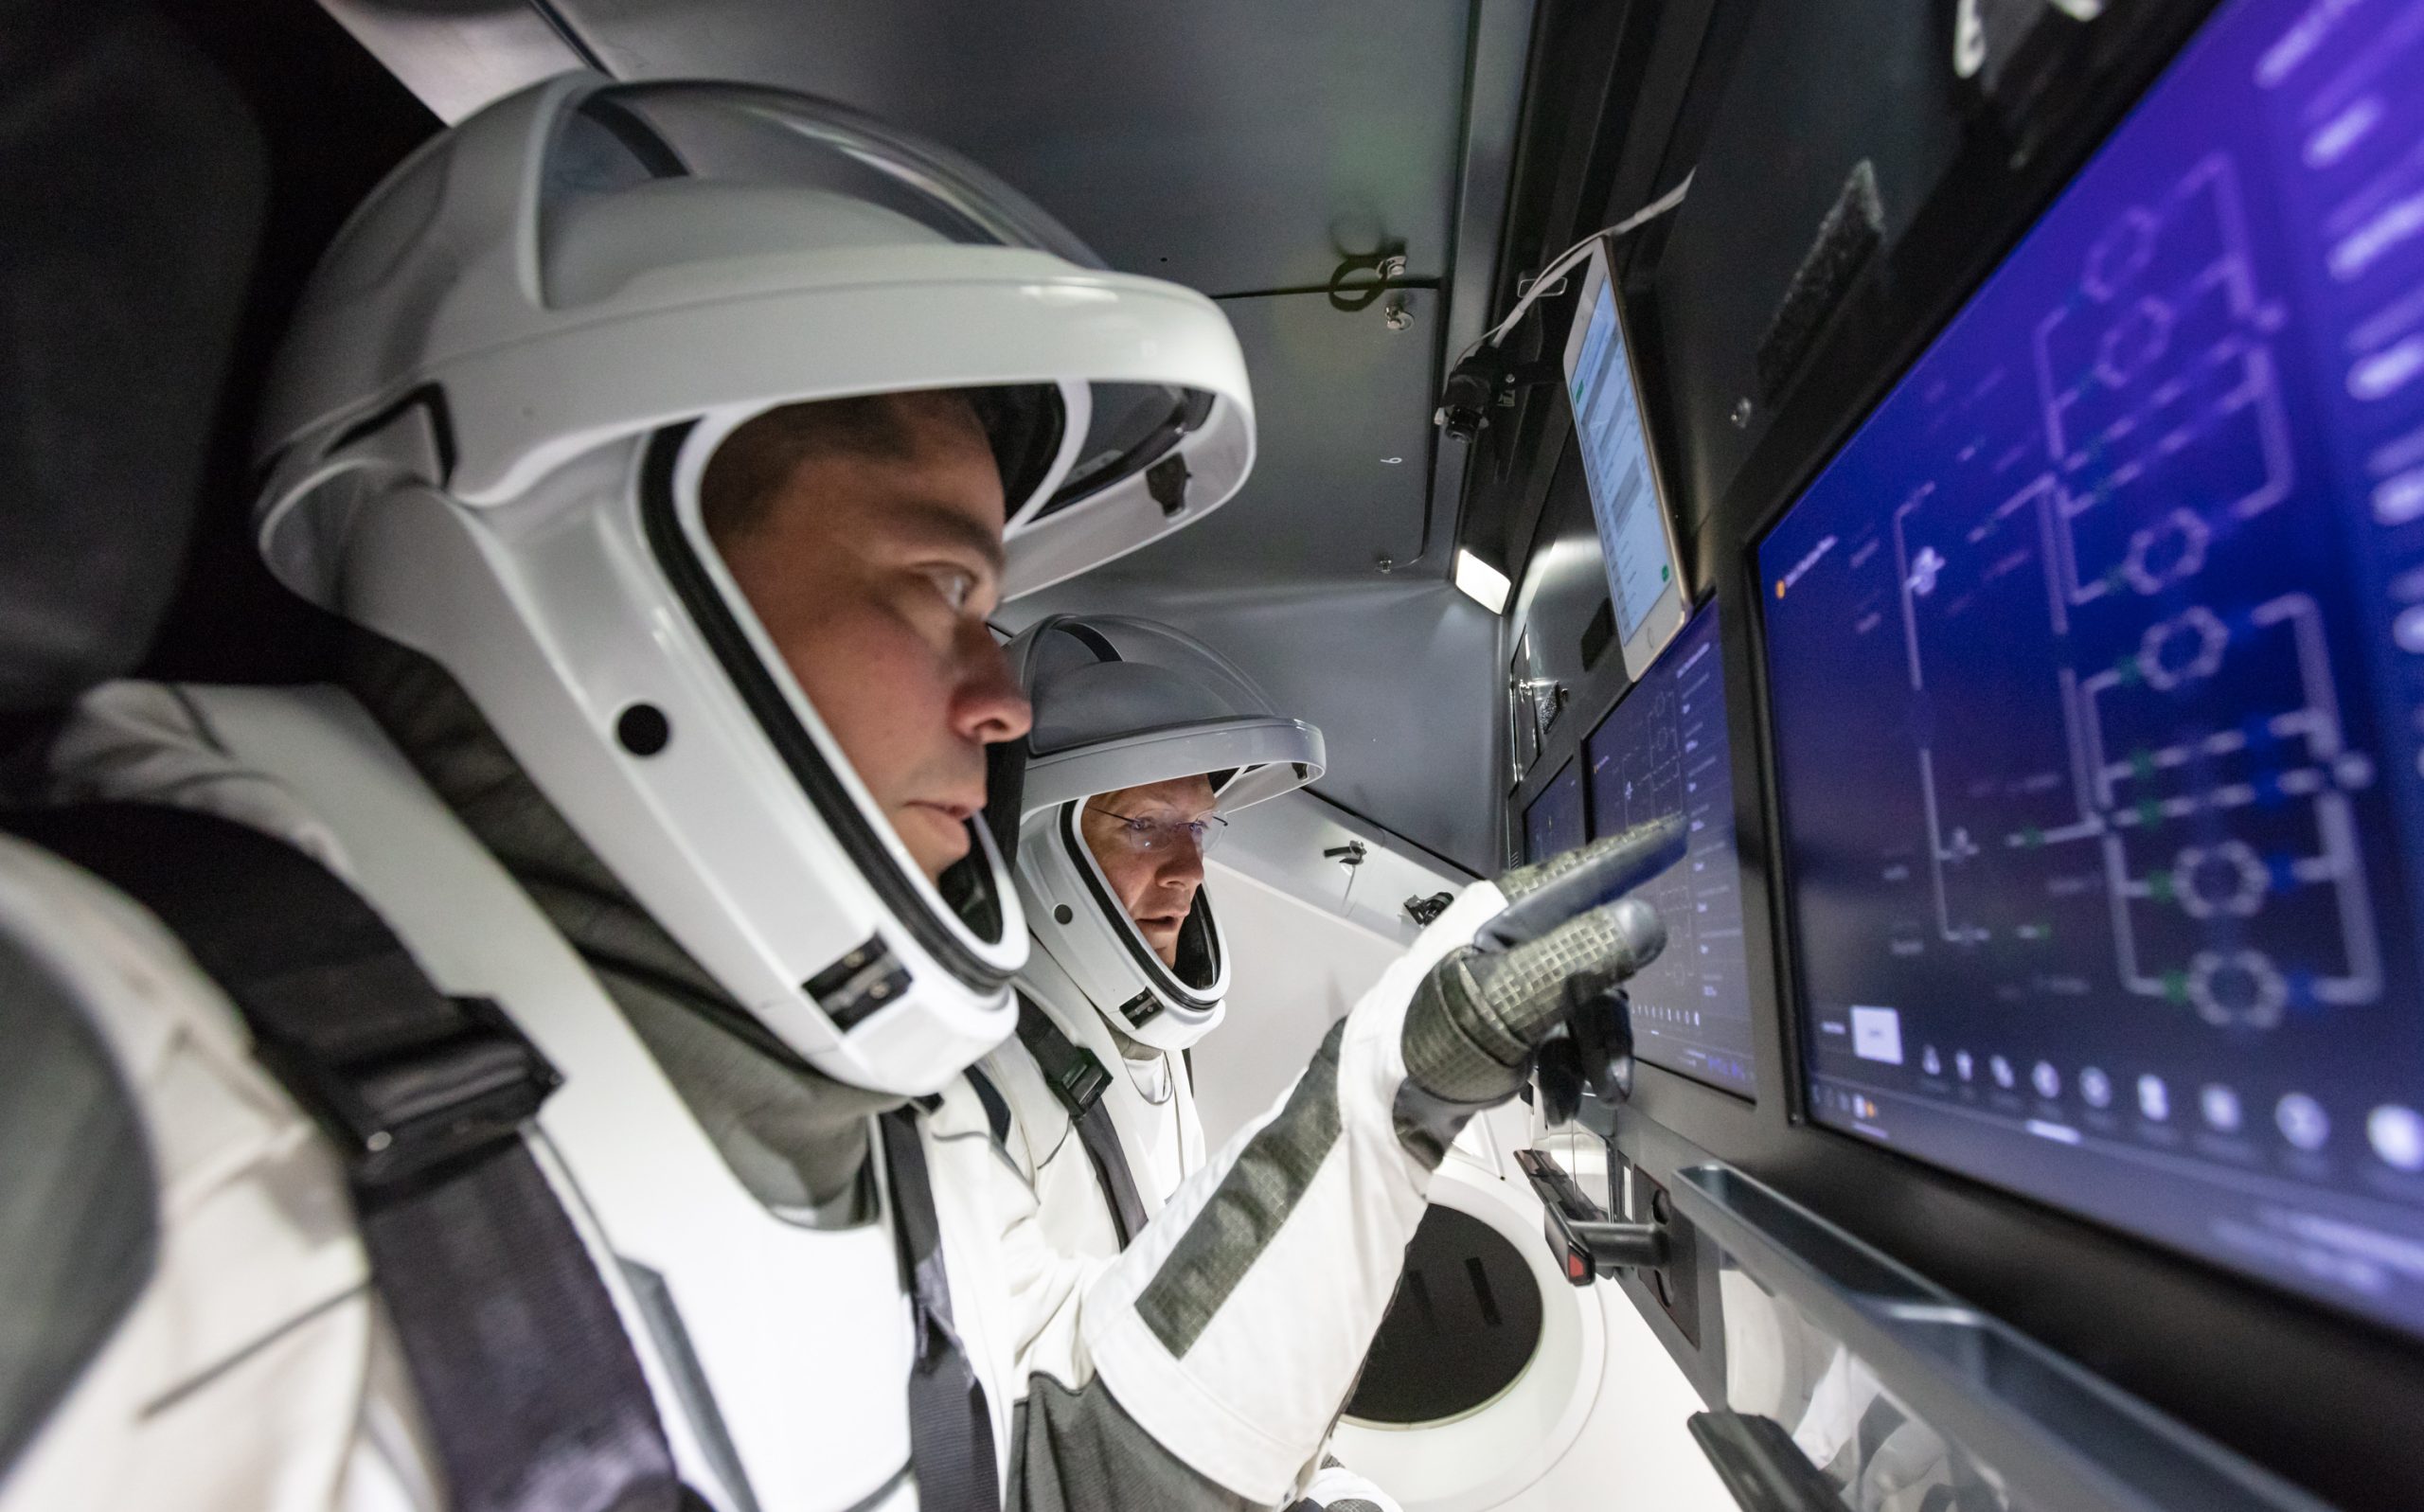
2013, 570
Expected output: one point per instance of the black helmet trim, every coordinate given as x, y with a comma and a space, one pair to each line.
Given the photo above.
1024, 424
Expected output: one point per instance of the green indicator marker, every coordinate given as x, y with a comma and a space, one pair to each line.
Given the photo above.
2159, 887
2150, 813
2127, 670
2142, 764
2174, 987
2032, 837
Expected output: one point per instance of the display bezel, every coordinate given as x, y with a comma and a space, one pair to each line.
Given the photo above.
1672, 609
1794, 1006
2178, 1332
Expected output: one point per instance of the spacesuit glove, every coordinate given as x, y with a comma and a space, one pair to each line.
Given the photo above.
1483, 1010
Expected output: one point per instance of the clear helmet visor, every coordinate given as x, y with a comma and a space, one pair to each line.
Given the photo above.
635, 174
1121, 702
621, 136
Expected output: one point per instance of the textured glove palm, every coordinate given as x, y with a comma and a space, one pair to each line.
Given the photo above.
1478, 1017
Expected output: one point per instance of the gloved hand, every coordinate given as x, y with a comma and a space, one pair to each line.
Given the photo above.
1551, 963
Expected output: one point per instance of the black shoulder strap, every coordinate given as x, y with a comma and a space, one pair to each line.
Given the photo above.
530, 1389
997, 1108
1078, 1078
950, 1431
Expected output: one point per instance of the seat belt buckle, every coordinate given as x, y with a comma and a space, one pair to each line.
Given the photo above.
1082, 1080
401, 1111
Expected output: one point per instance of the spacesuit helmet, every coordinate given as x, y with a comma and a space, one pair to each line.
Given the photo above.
486, 435
1122, 702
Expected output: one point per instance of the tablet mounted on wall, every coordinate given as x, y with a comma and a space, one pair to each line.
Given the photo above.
1628, 496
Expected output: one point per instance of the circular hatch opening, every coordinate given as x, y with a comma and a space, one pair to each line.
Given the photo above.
1465, 1322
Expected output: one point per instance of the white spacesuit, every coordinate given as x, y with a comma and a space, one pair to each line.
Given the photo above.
640, 1164
1100, 1087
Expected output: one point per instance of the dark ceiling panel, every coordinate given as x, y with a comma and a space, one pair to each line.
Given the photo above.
1343, 420
1232, 145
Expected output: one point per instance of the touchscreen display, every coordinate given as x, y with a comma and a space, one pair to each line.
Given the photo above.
1663, 750
1554, 821
1616, 464
2097, 660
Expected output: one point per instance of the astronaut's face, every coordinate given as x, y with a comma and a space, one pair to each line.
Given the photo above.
871, 551
1139, 839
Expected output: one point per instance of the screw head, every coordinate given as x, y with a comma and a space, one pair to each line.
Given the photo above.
1741, 415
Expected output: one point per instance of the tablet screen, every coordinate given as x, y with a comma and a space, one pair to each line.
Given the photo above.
1615, 463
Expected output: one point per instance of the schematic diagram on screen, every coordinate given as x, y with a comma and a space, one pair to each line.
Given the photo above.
2181, 731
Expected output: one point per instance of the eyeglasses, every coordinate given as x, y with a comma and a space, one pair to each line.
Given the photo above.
1153, 834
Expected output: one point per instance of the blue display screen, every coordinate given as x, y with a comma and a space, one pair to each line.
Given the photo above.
2097, 660
1554, 823
1663, 750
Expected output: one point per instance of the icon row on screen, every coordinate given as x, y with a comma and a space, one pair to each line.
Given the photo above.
2394, 1132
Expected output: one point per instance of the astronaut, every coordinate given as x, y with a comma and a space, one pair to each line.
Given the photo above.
675, 697
1144, 741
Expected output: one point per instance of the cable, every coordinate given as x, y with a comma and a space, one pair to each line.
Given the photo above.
1475, 377
1575, 254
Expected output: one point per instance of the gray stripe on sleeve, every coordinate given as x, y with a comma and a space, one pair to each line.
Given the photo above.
1247, 1208
1077, 1450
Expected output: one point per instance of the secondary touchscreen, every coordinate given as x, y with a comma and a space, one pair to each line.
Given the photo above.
1553, 822
2097, 660
1663, 750
1616, 464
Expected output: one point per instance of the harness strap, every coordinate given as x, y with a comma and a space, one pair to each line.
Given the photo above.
950, 1431
530, 1388
1078, 1078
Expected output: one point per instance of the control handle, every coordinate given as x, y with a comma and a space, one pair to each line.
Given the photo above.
1588, 1242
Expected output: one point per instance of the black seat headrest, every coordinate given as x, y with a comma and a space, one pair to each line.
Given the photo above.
132, 183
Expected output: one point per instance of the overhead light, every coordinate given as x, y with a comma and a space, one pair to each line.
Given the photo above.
1483, 583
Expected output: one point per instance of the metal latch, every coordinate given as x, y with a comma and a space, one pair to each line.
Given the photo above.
1588, 1243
